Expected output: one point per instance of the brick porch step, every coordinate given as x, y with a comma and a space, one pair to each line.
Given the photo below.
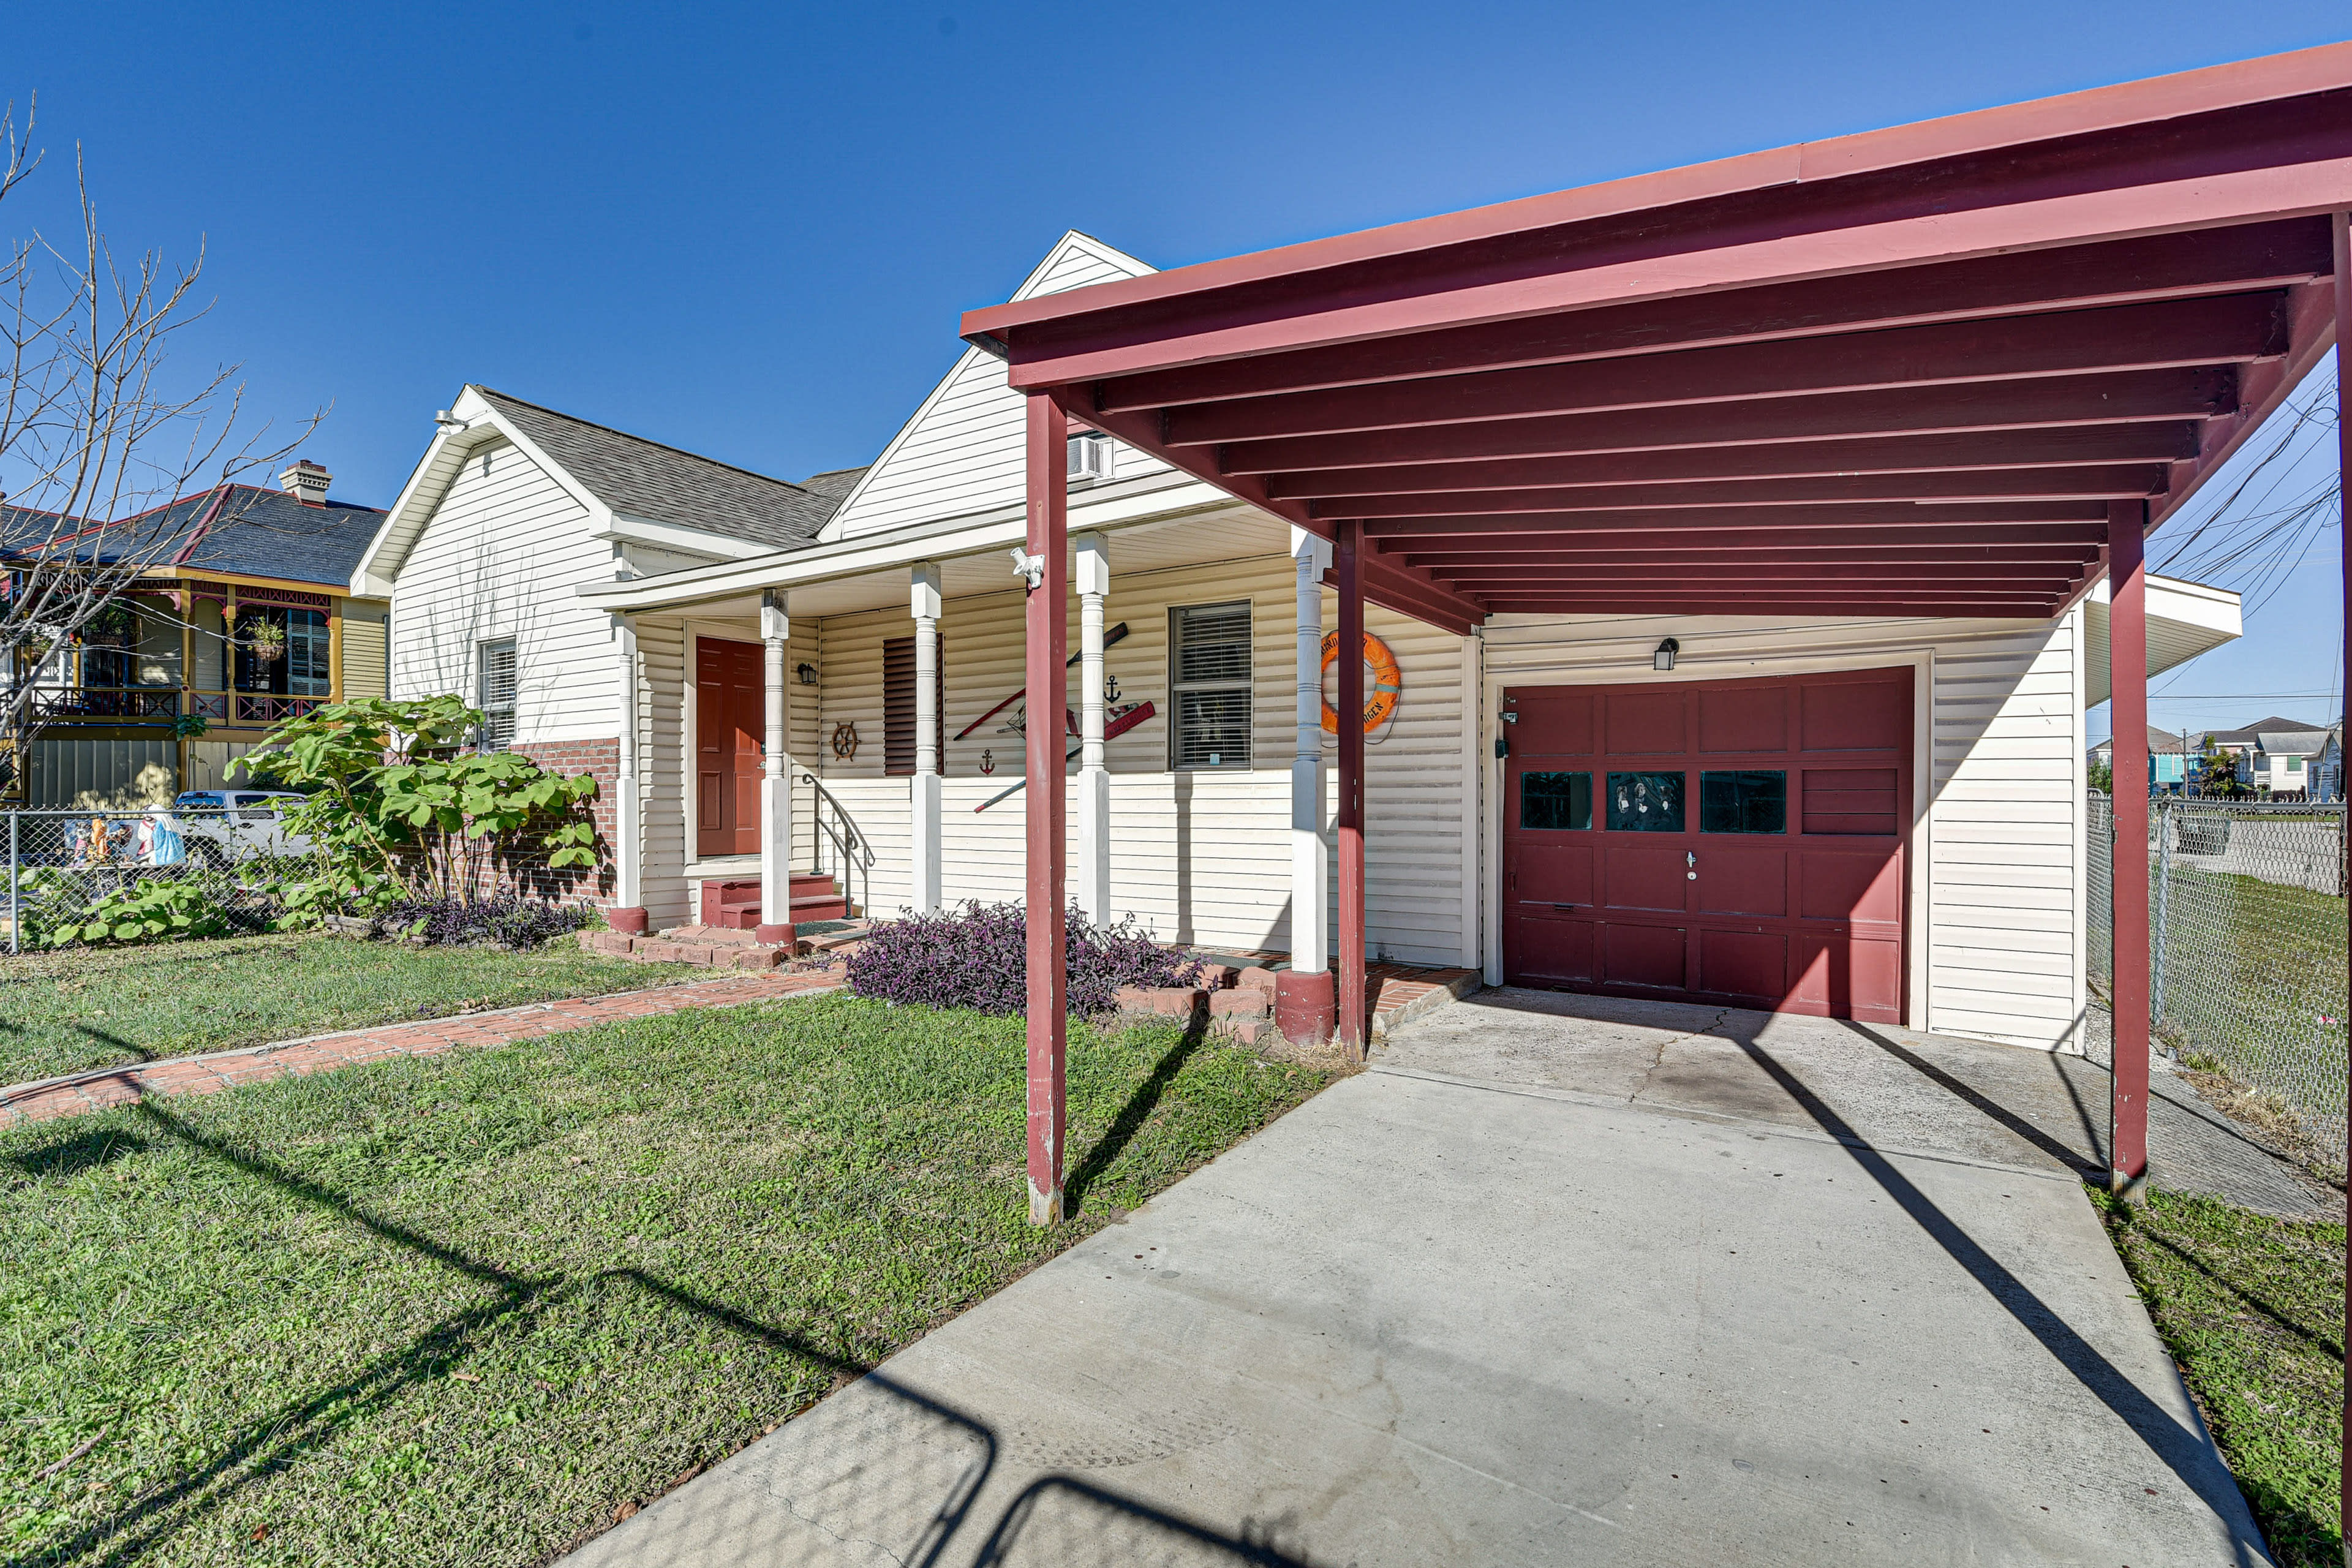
735, 905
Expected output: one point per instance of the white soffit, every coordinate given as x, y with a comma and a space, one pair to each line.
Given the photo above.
2184, 619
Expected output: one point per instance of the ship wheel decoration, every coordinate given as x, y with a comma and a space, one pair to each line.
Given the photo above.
844, 740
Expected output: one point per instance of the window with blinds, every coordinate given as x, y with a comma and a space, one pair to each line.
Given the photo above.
1209, 686
495, 692
898, 705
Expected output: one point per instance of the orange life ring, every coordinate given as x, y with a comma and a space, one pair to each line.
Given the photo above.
1380, 692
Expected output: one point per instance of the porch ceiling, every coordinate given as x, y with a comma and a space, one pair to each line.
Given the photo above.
1904, 373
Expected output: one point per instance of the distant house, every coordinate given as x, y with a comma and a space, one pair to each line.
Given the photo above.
167, 687
2327, 772
511, 511
2168, 757
2273, 755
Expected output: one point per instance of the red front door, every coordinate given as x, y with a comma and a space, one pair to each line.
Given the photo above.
730, 717
1731, 841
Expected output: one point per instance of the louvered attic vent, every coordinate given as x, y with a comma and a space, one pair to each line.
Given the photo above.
1090, 457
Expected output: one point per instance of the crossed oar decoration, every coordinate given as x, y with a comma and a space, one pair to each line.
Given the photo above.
1119, 722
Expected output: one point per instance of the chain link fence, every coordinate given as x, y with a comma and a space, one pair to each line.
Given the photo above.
2246, 945
66, 868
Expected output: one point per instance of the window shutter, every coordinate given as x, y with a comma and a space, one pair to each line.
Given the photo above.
898, 705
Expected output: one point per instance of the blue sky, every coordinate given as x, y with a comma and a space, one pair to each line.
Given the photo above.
748, 230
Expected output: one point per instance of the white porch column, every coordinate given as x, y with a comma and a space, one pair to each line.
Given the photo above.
925, 604
1306, 1001
627, 915
775, 776
1090, 876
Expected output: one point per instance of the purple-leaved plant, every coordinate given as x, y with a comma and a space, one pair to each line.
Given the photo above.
977, 956
509, 923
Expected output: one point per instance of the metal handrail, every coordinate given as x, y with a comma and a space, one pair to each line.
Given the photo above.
851, 848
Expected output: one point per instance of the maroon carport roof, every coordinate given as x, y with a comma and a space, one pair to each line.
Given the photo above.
1908, 371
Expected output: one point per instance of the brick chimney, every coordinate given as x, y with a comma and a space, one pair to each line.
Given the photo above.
307, 482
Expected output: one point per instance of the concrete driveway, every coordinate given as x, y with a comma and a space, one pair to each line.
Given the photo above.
1556, 1282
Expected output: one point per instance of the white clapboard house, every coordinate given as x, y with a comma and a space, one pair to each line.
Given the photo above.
620, 606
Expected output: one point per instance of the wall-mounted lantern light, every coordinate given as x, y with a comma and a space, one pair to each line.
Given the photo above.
807, 672
1665, 657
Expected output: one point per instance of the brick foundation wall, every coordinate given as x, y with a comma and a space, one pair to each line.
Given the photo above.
602, 759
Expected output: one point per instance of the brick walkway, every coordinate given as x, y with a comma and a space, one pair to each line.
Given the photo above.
218, 1070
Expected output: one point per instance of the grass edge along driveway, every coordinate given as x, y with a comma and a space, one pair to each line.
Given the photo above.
2252, 1308
470, 1309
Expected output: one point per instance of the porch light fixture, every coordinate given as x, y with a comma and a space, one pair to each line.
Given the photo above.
807, 672
1665, 657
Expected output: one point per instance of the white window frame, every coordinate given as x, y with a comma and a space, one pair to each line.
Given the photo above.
1178, 686
497, 731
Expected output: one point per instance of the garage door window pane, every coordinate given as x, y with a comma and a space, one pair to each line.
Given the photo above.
1752, 800
1553, 803
1645, 802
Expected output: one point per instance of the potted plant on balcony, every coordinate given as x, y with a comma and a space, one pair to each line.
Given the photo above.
109, 627
263, 637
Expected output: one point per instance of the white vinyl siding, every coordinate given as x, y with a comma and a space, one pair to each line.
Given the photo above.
498, 558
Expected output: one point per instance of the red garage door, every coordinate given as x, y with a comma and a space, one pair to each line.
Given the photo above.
1730, 841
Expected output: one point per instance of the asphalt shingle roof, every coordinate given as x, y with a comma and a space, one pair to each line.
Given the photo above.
2252, 734
653, 483
257, 532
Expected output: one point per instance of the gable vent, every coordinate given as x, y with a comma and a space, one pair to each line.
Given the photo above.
1090, 457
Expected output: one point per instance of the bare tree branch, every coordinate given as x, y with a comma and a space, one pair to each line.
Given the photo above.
108, 464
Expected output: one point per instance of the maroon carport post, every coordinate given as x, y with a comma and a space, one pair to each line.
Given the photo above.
2342, 229
1347, 568
2127, 713
1048, 619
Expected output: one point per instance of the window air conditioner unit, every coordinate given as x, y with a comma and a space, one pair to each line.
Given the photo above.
1090, 457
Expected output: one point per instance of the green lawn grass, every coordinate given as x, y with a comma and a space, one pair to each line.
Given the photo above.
465, 1309
63, 1012
2253, 1309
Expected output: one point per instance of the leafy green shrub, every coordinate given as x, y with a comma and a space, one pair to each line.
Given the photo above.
153, 909
404, 814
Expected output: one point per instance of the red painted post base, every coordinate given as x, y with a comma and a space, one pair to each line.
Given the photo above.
628, 922
772, 933
1305, 1006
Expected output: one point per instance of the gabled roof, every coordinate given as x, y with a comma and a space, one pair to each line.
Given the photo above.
959, 452
2293, 742
631, 489
653, 483
246, 530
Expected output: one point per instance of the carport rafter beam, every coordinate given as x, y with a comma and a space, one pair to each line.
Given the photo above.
2150, 268
2112, 483
2175, 334
2063, 446
1928, 520
2158, 396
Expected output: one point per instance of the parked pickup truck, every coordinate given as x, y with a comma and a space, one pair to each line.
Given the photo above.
225, 825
